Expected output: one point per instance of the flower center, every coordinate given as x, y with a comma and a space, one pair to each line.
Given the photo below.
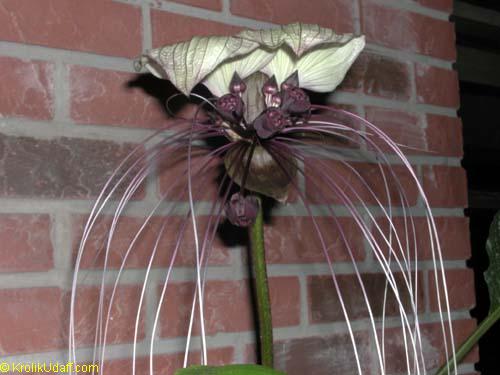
283, 107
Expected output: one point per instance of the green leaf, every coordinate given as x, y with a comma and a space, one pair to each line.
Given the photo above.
492, 274
228, 370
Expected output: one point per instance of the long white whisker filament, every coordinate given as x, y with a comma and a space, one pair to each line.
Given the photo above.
99, 205
433, 239
131, 189
403, 254
431, 226
330, 267
97, 208
205, 259
170, 268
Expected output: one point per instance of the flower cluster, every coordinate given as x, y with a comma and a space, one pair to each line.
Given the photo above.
284, 106
258, 78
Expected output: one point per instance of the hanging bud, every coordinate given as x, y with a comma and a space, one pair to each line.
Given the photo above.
230, 107
237, 85
270, 87
291, 81
294, 100
242, 211
270, 122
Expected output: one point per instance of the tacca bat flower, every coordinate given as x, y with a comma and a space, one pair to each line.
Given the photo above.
271, 141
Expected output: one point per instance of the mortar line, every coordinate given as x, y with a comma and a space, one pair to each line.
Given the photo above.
147, 36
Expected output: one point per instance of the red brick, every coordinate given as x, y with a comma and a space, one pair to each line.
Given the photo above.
339, 113
209, 4
31, 320
26, 243
125, 231
181, 28
101, 26
324, 303
433, 345
404, 128
122, 318
461, 331
250, 354
441, 136
379, 76
167, 364
326, 355
437, 86
444, 5
57, 168
27, 88
453, 234
319, 191
337, 15
227, 306
460, 287
400, 29
445, 186
285, 300
295, 240
102, 97
454, 237
444, 135
345, 107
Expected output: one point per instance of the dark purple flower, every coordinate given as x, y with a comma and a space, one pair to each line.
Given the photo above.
270, 87
295, 100
230, 107
237, 85
275, 100
270, 122
242, 211
291, 81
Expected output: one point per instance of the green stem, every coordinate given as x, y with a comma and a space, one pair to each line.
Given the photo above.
471, 341
258, 257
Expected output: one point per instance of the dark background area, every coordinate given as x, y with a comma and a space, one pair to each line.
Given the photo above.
477, 25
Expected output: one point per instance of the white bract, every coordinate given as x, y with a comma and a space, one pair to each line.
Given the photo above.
321, 57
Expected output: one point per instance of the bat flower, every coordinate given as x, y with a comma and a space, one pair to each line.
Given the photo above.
259, 79
260, 134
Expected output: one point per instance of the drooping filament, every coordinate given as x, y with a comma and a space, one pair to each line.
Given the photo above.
334, 168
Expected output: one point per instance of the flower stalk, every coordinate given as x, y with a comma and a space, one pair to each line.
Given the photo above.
258, 259
471, 341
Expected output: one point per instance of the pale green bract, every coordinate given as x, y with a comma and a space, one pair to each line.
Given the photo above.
321, 57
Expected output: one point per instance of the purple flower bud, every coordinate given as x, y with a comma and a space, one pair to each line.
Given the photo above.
230, 107
295, 100
291, 81
237, 85
270, 87
242, 211
276, 100
270, 122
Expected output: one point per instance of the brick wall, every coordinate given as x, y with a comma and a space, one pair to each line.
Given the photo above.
69, 114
